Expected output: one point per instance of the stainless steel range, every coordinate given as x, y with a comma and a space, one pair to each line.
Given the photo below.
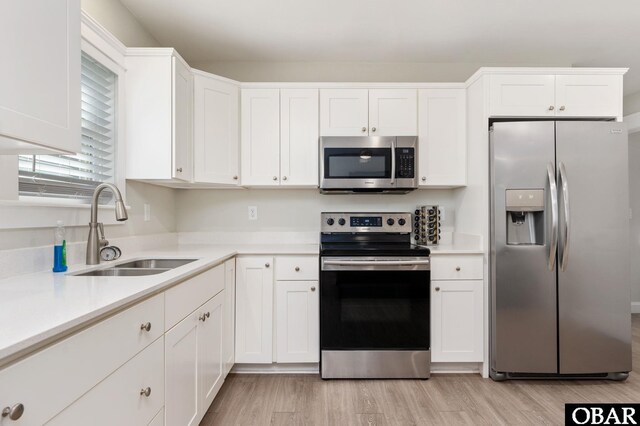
374, 298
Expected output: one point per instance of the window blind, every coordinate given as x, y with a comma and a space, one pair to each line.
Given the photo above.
76, 176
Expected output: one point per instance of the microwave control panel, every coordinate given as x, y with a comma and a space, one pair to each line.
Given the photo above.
405, 163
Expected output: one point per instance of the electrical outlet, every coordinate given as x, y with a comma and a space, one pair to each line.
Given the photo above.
147, 212
253, 212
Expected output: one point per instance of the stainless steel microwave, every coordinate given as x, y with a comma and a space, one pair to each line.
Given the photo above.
368, 164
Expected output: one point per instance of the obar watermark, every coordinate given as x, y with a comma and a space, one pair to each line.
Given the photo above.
602, 414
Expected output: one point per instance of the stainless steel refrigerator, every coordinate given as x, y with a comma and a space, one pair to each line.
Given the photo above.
560, 271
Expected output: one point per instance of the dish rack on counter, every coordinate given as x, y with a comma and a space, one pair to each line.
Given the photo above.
426, 225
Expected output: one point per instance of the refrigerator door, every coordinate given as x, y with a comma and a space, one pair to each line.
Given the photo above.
523, 280
593, 257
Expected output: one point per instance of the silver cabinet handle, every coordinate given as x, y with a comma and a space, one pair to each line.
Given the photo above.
313, 289
208, 314
275, 178
14, 413
373, 129
424, 178
146, 326
458, 268
551, 107
145, 391
179, 170
204, 317
562, 108
553, 190
364, 129
437, 288
235, 177
284, 178
297, 269
266, 265
564, 186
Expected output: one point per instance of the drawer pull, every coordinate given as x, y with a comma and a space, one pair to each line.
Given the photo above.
145, 391
458, 268
204, 316
146, 326
15, 412
313, 289
437, 288
297, 269
266, 265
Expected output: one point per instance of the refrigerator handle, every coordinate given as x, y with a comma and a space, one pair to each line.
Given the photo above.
553, 189
564, 186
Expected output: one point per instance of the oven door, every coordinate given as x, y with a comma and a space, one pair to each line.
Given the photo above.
374, 304
357, 163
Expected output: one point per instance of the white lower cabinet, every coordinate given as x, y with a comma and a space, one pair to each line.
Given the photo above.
457, 321
132, 395
193, 363
158, 420
228, 346
254, 310
297, 321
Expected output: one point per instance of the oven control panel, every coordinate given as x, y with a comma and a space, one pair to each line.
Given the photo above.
366, 222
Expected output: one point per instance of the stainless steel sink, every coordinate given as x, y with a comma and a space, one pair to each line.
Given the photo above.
155, 263
123, 272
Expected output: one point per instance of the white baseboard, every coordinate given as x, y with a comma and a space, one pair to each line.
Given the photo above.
635, 307
312, 368
456, 367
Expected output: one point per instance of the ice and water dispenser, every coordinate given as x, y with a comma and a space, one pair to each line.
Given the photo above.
525, 216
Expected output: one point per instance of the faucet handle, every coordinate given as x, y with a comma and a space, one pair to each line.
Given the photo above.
102, 241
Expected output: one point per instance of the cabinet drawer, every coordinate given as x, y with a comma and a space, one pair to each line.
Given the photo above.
118, 400
457, 267
48, 381
185, 298
296, 268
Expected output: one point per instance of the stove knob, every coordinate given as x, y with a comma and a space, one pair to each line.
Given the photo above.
341, 221
330, 221
418, 212
401, 222
390, 222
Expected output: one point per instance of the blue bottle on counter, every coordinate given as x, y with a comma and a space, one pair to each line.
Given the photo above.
60, 249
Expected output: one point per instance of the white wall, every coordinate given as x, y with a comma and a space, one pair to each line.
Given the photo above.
350, 71
632, 103
289, 209
120, 22
634, 191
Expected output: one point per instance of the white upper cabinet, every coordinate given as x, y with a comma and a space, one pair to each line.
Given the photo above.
344, 112
40, 77
393, 112
299, 137
522, 95
368, 112
559, 95
442, 149
589, 95
260, 135
216, 125
159, 101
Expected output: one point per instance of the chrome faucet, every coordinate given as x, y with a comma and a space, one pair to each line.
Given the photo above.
95, 243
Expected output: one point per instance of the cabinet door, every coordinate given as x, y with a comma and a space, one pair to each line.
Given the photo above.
344, 112
181, 372
182, 93
127, 405
457, 321
297, 321
260, 136
393, 112
228, 344
522, 96
216, 131
254, 310
210, 362
442, 150
589, 95
40, 76
299, 137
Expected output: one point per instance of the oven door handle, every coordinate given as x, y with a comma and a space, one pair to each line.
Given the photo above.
336, 265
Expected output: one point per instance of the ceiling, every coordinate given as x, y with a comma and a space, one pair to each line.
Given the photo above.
578, 32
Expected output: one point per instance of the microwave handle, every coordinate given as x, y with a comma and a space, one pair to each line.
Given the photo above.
393, 162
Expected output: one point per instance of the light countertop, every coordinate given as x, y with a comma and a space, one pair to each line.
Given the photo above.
38, 308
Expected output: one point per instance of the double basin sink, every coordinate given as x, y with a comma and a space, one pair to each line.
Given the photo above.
137, 268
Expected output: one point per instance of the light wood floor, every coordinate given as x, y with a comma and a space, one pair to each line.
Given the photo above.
442, 400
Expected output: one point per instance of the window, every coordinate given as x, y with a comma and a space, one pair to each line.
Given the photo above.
76, 176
